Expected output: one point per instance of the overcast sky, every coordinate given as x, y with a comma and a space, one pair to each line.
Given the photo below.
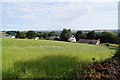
59, 15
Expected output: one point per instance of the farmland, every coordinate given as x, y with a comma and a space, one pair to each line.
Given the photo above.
23, 58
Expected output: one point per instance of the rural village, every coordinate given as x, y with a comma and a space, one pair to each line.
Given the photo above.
60, 40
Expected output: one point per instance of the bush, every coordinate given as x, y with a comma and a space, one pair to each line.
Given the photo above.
65, 35
31, 34
108, 37
117, 54
107, 44
57, 39
21, 35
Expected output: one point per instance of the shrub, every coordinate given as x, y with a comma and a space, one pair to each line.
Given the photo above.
117, 54
31, 34
65, 35
21, 35
107, 44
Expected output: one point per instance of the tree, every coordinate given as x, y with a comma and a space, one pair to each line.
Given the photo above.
31, 34
78, 35
91, 35
21, 35
117, 53
45, 35
65, 34
118, 39
12, 33
52, 33
108, 37
69, 34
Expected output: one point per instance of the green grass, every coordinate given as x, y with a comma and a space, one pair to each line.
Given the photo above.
0, 58
45, 58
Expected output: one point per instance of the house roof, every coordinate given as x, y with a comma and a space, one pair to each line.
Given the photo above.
88, 40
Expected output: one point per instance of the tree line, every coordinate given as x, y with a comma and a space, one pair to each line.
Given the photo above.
65, 34
32, 34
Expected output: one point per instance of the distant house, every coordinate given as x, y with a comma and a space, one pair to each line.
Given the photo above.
54, 38
89, 41
12, 36
72, 39
7, 36
36, 38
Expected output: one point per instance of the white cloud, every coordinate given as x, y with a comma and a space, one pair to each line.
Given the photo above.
59, 1
26, 17
72, 14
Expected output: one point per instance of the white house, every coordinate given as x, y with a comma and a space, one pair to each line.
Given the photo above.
36, 38
13, 37
98, 42
72, 39
90, 41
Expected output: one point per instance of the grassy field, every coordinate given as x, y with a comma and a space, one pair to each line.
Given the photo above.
45, 58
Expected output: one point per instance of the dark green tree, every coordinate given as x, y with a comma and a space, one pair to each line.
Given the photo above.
65, 34
91, 35
12, 33
78, 35
117, 54
69, 33
31, 34
52, 33
21, 35
45, 35
108, 37
39, 34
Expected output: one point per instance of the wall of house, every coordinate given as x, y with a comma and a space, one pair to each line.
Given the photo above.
87, 41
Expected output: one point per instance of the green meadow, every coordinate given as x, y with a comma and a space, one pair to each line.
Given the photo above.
25, 58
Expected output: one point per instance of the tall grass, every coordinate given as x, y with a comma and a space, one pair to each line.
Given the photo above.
45, 58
